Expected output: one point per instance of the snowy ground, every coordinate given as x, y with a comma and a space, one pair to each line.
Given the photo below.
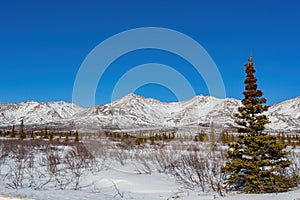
123, 175
127, 184
134, 186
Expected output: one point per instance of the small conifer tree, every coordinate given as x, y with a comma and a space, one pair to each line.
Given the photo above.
256, 159
22, 133
51, 135
46, 133
76, 136
212, 136
67, 137
225, 138
32, 135
13, 133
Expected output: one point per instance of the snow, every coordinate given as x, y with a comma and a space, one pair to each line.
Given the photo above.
133, 111
33, 112
102, 186
134, 186
121, 174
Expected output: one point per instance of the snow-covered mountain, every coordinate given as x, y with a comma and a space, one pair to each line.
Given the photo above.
285, 115
32, 112
133, 111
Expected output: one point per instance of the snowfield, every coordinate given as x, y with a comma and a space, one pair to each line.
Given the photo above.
108, 168
135, 186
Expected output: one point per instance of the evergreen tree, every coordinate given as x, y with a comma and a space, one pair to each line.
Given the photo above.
13, 133
225, 138
46, 133
32, 135
212, 136
22, 133
77, 136
67, 137
256, 159
51, 135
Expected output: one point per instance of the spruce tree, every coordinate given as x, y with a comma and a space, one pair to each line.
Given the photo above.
46, 133
32, 135
22, 133
13, 133
212, 136
76, 136
256, 160
51, 135
67, 137
225, 138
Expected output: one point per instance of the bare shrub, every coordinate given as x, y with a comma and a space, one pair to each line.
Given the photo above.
294, 170
30, 168
144, 164
50, 169
194, 167
78, 160
15, 174
120, 155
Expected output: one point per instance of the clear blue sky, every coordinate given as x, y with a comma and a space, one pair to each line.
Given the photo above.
43, 43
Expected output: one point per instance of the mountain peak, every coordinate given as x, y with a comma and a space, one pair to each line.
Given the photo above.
136, 111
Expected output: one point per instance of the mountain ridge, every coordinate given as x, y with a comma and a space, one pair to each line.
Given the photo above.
134, 111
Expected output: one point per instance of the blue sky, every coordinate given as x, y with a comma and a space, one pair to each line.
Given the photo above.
43, 43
